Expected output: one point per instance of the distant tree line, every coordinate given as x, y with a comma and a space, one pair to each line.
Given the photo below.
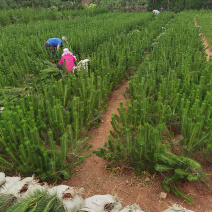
121, 5
179, 5
168, 5
207, 4
60, 4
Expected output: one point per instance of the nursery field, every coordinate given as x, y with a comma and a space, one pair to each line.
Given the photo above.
136, 124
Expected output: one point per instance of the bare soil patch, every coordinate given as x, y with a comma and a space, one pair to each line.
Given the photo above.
85, 1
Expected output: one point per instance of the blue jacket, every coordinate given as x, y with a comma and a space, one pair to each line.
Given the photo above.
54, 42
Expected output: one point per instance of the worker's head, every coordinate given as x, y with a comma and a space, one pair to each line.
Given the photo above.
64, 39
66, 51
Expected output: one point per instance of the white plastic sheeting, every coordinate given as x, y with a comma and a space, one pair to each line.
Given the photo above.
32, 188
131, 208
70, 196
12, 185
20, 188
177, 208
102, 203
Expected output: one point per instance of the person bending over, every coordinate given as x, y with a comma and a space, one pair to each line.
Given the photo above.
54, 42
67, 61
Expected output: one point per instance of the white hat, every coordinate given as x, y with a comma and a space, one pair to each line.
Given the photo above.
66, 51
64, 38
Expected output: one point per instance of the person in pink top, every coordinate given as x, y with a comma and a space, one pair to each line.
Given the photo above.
66, 61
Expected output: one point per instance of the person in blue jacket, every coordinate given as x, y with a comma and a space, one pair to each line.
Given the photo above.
54, 42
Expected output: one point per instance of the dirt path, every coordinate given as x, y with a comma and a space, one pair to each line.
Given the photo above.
96, 179
208, 51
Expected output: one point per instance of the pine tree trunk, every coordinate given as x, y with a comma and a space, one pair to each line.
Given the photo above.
168, 5
33, 6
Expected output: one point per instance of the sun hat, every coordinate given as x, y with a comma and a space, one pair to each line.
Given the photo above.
64, 38
66, 51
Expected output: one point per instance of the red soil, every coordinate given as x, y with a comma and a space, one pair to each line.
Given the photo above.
85, 1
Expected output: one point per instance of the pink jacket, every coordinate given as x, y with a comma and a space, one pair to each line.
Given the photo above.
69, 61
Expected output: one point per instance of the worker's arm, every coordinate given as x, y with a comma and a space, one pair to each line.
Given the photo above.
58, 47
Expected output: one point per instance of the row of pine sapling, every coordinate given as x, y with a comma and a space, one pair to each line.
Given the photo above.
167, 97
27, 53
41, 132
32, 149
30, 56
118, 57
28, 15
17, 74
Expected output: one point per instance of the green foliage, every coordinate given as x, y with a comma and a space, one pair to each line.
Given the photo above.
90, 6
41, 132
64, 106
179, 193
208, 150
49, 73
178, 168
194, 136
54, 162
131, 144
38, 201
38, 33
6, 201
180, 101
10, 94
169, 94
